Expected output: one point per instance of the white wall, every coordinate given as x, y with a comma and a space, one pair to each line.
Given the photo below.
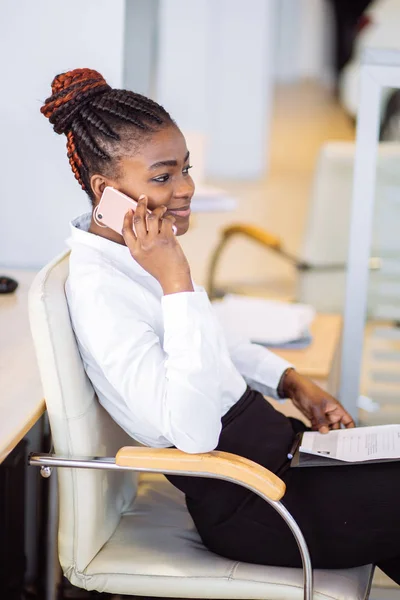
215, 76
304, 41
316, 41
241, 88
141, 24
183, 61
39, 39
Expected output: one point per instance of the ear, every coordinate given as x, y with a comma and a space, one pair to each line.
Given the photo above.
98, 183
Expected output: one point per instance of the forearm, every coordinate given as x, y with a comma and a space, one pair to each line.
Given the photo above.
178, 284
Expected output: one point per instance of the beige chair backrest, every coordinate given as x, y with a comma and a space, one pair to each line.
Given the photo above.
91, 501
326, 236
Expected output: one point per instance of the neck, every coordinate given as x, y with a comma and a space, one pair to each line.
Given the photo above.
106, 232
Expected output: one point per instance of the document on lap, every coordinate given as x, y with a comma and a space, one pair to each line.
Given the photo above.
344, 447
354, 445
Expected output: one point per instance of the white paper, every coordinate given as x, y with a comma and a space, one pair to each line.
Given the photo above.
263, 321
354, 445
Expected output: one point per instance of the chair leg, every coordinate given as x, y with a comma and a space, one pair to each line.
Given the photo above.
301, 543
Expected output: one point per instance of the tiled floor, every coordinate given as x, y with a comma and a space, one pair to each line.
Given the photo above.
384, 594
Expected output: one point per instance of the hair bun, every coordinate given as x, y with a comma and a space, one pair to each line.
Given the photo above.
70, 91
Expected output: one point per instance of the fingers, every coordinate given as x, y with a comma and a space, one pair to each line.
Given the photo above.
334, 419
155, 219
140, 223
154, 222
127, 229
343, 419
347, 420
139, 218
167, 224
337, 415
319, 419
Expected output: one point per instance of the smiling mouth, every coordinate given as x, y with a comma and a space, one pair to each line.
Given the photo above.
183, 212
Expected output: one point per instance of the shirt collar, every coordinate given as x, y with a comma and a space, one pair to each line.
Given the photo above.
80, 235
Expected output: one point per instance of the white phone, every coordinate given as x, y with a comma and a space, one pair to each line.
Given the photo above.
112, 208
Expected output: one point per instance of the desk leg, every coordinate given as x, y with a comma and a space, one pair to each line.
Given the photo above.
12, 523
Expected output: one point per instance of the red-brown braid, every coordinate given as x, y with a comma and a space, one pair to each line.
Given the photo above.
71, 90
93, 116
74, 159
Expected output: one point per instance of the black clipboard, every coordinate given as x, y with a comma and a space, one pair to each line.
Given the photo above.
303, 459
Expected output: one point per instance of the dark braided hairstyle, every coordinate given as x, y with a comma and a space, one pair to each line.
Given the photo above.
102, 124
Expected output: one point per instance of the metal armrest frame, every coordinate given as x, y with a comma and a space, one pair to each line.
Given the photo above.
252, 232
267, 240
217, 465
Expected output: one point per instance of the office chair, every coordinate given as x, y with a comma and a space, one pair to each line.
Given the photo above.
123, 528
321, 262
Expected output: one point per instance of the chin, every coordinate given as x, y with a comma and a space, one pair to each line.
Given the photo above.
182, 228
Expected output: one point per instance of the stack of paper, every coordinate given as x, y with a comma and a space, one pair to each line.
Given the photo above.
361, 444
266, 322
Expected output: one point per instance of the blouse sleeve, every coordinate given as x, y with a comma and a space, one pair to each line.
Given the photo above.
173, 383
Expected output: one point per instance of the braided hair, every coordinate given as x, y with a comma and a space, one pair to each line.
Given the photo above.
102, 124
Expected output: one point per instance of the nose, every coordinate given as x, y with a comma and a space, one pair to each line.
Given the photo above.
184, 188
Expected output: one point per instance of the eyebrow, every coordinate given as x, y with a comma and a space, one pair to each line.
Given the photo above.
167, 163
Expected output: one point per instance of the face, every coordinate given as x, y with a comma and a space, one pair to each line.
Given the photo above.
160, 170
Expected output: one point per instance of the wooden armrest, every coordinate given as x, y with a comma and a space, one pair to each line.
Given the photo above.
220, 465
255, 233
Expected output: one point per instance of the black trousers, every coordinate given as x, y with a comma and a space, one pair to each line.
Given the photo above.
349, 515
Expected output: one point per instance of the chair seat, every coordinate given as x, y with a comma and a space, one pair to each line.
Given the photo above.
156, 551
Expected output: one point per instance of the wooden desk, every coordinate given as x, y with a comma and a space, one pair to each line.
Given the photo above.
318, 359
21, 399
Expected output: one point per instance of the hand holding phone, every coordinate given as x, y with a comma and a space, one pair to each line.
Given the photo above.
112, 208
152, 243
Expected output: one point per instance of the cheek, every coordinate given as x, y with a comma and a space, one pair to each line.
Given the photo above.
159, 197
156, 196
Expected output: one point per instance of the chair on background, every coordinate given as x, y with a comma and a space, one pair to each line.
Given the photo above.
321, 262
125, 534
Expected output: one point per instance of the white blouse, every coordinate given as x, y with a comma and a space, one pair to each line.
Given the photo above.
160, 365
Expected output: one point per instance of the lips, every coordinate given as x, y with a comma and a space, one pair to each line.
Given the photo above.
183, 212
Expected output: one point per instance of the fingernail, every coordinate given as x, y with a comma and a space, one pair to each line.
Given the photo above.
142, 196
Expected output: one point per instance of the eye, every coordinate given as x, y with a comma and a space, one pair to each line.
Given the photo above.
186, 170
161, 178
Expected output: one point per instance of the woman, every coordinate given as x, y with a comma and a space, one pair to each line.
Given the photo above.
162, 368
